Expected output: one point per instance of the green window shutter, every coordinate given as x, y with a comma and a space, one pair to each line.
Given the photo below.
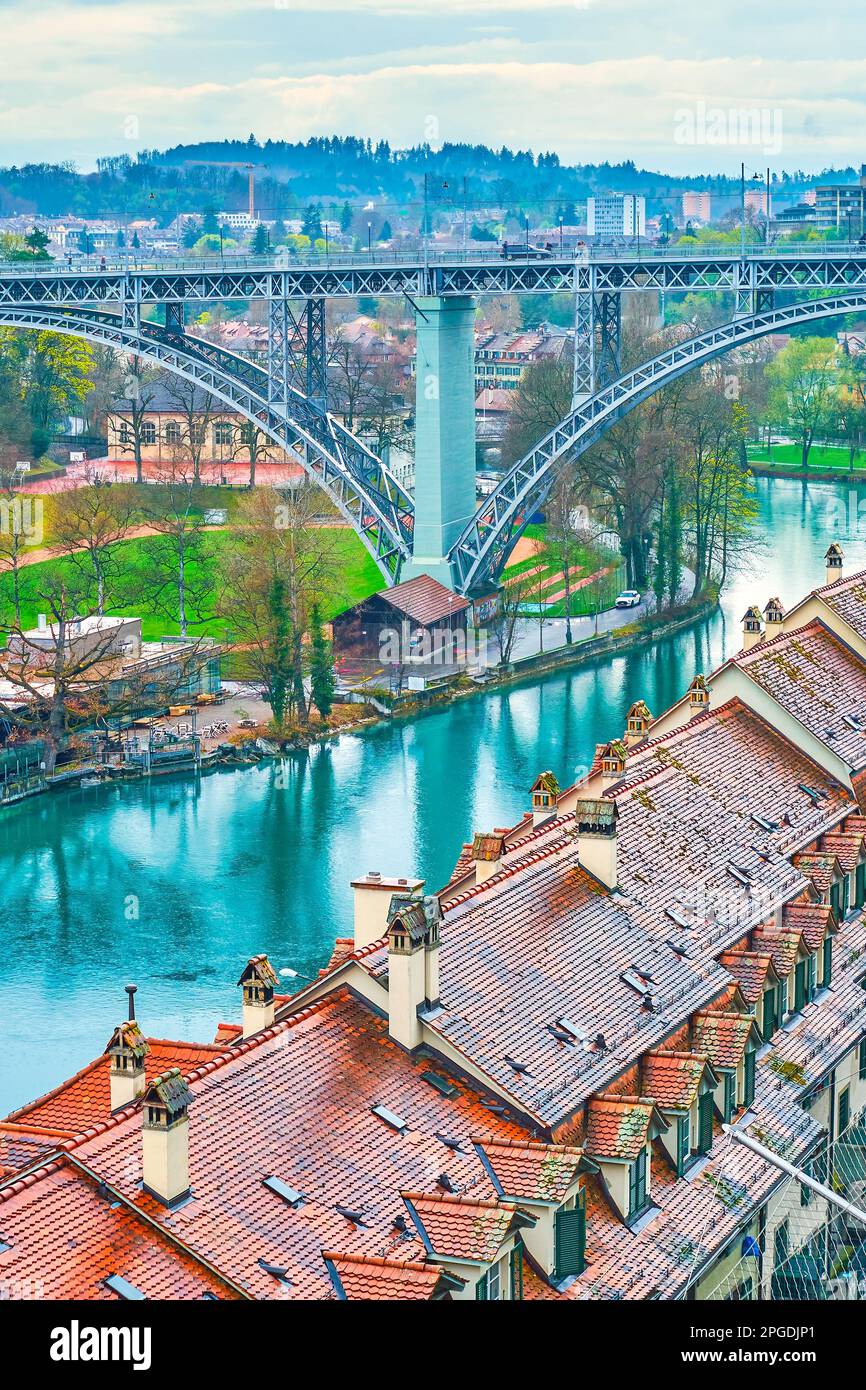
827, 974
481, 1289
860, 888
683, 1143
811, 978
846, 894
570, 1233
770, 998
730, 1095
834, 899
749, 1079
637, 1185
862, 1069
705, 1122
799, 986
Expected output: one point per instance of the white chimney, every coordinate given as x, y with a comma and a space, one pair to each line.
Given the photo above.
545, 790
596, 838
258, 981
833, 560
774, 618
487, 854
613, 760
413, 968
699, 695
165, 1138
373, 895
752, 628
637, 723
127, 1048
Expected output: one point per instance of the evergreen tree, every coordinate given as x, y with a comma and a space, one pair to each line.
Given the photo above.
321, 666
136, 243
312, 222
385, 233
660, 568
346, 219
260, 245
209, 224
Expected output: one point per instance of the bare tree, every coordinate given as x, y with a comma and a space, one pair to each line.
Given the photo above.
503, 623
179, 577
197, 410
90, 523
141, 384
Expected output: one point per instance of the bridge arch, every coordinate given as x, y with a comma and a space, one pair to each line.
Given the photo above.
479, 554
359, 485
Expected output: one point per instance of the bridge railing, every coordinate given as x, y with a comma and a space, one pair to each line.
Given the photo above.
284, 258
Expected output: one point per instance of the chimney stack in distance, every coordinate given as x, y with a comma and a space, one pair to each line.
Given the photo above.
833, 560
127, 1049
752, 628
257, 980
165, 1138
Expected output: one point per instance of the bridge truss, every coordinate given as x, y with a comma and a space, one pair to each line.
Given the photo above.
479, 554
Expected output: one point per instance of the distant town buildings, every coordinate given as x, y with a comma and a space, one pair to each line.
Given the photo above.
840, 206
697, 206
613, 215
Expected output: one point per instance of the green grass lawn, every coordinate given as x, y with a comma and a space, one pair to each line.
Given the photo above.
583, 601
823, 459
357, 577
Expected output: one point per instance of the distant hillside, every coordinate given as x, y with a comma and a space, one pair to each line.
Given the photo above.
335, 170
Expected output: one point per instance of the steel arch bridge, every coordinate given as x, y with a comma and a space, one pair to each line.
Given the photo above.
480, 553
361, 487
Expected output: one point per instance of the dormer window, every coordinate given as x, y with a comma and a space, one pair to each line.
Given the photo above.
503, 1280
684, 1143
729, 1100
705, 1123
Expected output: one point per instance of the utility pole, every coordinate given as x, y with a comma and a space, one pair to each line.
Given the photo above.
464, 214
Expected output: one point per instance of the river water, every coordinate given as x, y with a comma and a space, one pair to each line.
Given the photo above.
173, 884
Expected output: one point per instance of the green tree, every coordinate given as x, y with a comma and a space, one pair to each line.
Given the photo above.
260, 244
803, 381
321, 665
346, 219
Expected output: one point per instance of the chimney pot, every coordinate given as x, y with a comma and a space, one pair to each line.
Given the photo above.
257, 982
131, 990
699, 694
833, 560
372, 895
487, 854
545, 791
752, 628
596, 838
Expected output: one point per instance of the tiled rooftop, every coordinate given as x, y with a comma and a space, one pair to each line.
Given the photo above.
818, 680
618, 1126
722, 1037
85, 1099
531, 1171
847, 597
673, 1079
460, 1227
371, 1278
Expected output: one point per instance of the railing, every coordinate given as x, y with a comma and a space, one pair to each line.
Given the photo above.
285, 259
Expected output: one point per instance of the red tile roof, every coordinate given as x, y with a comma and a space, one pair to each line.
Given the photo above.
822, 869
723, 1037
847, 598
618, 1126
371, 1278
848, 848
753, 971
85, 1099
66, 1237
673, 1079
784, 946
460, 1227
530, 1171
814, 920
296, 1102
425, 600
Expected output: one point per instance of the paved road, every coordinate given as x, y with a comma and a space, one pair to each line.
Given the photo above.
530, 640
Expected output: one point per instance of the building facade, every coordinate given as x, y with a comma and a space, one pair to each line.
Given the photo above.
611, 216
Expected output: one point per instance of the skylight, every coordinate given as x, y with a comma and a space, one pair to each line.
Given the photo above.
439, 1083
124, 1289
678, 917
392, 1120
519, 1067
449, 1142
282, 1189
356, 1216
579, 1034
278, 1271
764, 823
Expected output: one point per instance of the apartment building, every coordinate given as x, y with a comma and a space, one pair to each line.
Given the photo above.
697, 205
583, 1069
839, 206
172, 429
611, 216
501, 359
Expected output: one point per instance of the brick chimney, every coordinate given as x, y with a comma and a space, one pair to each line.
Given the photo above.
373, 895
545, 790
596, 838
752, 628
774, 618
413, 967
833, 560
699, 695
257, 981
165, 1138
637, 723
127, 1048
487, 855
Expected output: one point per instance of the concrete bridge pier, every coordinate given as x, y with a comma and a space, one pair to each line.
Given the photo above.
444, 431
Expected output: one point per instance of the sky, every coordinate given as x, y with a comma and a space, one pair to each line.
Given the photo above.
680, 86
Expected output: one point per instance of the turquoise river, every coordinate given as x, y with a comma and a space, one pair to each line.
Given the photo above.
174, 884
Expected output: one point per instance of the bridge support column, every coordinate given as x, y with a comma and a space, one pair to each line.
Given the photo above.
316, 353
444, 431
608, 313
174, 317
584, 348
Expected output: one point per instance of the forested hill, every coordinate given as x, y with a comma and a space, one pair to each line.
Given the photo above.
290, 175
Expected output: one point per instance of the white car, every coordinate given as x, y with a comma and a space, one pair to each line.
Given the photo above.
629, 598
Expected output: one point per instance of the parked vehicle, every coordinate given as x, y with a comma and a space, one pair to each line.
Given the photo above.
629, 598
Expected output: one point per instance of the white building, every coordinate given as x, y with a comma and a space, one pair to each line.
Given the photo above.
613, 215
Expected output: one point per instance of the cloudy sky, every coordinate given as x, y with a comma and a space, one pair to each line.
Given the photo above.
663, 84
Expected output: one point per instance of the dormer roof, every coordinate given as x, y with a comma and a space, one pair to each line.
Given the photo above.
259, 968
753, 971
673, 1079
725, 1037
372, 1277
531, 1172
619, 1127
457, 1227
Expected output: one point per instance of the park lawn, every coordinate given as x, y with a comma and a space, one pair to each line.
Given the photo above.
822, 458
358, 577
542, 575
